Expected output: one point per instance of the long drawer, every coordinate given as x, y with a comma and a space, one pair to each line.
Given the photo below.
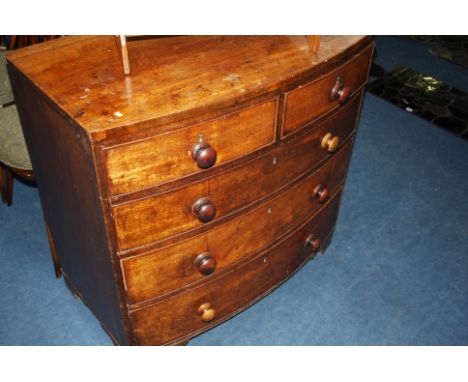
308, 102
138, 165
144, 221
200, 308
201, 257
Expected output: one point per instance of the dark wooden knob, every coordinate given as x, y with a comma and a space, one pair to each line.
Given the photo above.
204, 210
204, 155
340, 92
312, 243
321, 193
206, 312
205, 263
330, 142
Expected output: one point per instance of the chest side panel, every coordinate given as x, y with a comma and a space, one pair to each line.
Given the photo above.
63, 164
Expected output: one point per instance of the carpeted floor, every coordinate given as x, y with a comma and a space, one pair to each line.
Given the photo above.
393, 52
396, 272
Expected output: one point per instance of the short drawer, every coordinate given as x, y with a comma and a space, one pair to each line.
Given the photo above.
201, 257
200, 308
308, 102
146, 220
162, 158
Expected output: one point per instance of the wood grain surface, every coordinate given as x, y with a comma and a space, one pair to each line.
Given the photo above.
172, 79
177, 316
172, 267
146, 220
305, 104
165, 157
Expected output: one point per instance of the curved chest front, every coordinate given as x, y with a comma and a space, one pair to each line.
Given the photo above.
200, 221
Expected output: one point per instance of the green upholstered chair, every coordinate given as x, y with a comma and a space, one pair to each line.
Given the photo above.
14, 157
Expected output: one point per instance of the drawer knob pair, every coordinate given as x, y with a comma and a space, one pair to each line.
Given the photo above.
204, 210
206, 312
340, 92
312, 243
321, 193
205, 263
204, 155
330, 142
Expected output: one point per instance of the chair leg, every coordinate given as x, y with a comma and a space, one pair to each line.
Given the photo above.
55, 259
6, 183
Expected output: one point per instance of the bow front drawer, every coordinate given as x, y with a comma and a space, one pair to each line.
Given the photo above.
138, 165
211, 303
308, 102
143, 221
199, 258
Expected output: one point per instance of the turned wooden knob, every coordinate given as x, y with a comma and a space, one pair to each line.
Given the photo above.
313, 243
330, 142
205, 263
321, 193
206, 312
204, 210
340, 92
204, 155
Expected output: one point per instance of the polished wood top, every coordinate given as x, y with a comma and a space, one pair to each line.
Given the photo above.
172, 78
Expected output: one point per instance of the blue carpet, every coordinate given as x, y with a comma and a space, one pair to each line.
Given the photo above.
396, 272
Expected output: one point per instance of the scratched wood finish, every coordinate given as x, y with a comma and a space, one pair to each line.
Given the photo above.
307, 103
103, 144
172, 79
177, 316
159, 159
141, 222
169, 268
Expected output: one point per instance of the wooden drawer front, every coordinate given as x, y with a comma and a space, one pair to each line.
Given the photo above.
141, 222
177, 316
165, 157
305, 104
172, 267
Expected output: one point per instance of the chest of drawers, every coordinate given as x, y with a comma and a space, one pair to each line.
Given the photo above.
179, 195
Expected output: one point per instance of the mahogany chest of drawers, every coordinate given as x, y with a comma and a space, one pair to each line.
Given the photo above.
179, 195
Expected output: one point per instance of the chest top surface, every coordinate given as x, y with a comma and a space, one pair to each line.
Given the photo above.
171, 77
